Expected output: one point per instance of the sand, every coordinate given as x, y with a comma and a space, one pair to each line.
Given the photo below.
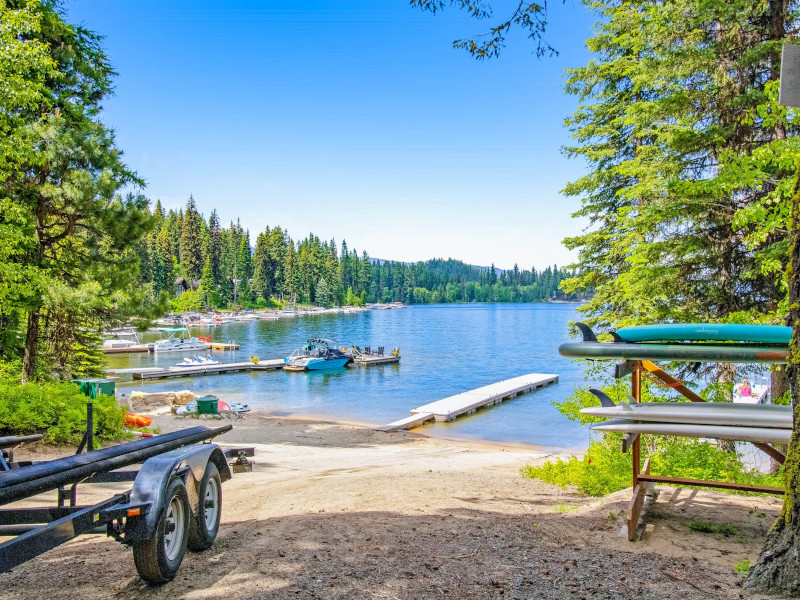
335, 510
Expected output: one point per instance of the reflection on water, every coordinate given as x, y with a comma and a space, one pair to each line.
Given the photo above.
445, 349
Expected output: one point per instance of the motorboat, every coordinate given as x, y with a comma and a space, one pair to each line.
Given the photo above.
318, 354
198, 361
124, 339
177, 339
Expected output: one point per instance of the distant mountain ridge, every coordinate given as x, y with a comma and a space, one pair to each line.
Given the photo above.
381, 261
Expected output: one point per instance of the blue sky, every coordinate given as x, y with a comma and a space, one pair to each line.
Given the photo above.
355, 120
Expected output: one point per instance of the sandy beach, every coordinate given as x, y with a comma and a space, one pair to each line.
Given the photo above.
337, 510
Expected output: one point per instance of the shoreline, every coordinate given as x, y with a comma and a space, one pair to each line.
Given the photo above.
428, 434
339, 510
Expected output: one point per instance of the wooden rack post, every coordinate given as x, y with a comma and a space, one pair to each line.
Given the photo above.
643, 481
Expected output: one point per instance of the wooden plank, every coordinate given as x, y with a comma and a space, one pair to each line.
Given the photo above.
635, 509
408, 423
627, 441
744, 487
640, 492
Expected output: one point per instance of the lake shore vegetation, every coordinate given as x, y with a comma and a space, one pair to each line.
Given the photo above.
220, 268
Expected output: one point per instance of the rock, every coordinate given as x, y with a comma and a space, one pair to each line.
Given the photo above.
153, 401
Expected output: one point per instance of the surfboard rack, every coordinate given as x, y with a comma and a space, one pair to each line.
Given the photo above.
759, 345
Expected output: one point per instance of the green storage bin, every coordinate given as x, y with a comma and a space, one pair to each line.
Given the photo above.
207, 405
95, 387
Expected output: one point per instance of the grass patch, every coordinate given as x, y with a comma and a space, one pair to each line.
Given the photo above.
563, 507
743, 567
708, 527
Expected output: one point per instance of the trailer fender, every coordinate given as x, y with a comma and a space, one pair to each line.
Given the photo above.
150, 485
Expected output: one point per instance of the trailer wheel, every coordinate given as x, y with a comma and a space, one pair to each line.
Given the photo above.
157, 559
204, 526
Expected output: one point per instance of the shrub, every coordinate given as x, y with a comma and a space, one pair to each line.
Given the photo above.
56, 410
604, 468
189, 300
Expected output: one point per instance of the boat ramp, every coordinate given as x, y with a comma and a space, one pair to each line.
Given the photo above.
465, 403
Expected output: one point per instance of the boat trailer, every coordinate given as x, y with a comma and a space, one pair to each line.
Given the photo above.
175, 502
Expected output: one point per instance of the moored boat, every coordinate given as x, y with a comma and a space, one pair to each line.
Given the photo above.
317, 355
177, 339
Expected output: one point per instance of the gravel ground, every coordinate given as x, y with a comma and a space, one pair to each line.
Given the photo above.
340, 511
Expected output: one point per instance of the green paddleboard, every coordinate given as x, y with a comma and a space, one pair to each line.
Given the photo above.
731, 353
707, 332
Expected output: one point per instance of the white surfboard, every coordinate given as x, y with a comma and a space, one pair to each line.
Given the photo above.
701, 413
771, 435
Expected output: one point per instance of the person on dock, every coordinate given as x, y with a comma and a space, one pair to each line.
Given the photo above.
745, 391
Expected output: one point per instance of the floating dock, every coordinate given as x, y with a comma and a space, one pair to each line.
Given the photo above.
369, 360
223, 346
200, 370
128, 350
453, 407
144, 373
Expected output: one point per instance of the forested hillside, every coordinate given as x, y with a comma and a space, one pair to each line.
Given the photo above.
220, 268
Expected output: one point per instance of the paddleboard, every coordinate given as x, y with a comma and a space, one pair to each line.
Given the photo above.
745, 434
675, 352
707, 332
700, 413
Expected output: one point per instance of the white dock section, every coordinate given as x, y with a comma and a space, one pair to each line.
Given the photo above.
450, 408
375, 360
155, 373
408, 423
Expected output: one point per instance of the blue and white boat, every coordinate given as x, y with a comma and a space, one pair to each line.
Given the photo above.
318, 354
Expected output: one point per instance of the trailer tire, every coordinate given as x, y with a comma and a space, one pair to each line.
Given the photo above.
204, 525
157, 559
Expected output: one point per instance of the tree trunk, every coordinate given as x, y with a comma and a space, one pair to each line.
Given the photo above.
778, 567
725, 374
779, 382
31, 346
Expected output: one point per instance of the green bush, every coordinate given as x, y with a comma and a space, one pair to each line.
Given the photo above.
604, 468
58, 411
189, 300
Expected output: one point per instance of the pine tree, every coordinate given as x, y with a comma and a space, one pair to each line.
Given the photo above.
191, 255
215, 245
164, 277
207, 289
322, 293
67, 228
261, 267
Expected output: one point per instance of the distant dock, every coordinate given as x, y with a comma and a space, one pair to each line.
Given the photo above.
146, 373
200, 370
465, 403
375, 359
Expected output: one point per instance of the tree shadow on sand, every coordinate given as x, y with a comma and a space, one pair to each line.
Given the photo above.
461, 552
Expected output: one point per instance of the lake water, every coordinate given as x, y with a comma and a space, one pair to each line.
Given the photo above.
445, 349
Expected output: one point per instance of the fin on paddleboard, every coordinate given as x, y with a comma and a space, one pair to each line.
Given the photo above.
586, 331
625, 406
617, 338
603, 397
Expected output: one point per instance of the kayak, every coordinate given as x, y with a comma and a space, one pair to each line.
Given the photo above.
134, 420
